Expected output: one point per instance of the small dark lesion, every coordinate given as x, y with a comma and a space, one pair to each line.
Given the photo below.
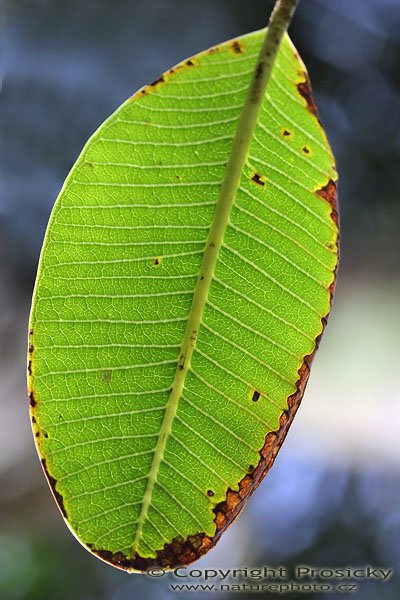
237, 47
190, 63
156, 262
210, 493
157, 81
32, 400
31, 348
250, 468
306, 150
258, 179
287, 133
256, 395
107, 376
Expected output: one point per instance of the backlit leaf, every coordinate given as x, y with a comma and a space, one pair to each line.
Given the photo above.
150, 457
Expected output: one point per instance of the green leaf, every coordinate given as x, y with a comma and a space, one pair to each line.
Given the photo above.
174, 321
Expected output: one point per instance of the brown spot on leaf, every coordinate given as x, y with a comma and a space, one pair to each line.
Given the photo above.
256, 396
157, 81
286, 133
329, 193
178, 552
210, 493
32, 400
156, 262
237, 47
30, 367
305, 90
306, 150
52, 483
190, 63
258, 179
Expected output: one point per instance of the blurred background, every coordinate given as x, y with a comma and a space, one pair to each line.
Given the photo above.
332, 498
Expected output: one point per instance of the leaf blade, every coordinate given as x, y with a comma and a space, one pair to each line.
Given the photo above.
270, 207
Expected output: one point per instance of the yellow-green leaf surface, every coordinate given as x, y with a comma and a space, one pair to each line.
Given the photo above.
151, 454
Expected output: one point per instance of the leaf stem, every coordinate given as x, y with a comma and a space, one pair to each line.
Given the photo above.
279, 22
